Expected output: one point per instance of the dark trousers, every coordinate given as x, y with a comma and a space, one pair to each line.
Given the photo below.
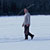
26, 31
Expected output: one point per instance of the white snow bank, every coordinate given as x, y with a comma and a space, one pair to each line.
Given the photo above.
11, 26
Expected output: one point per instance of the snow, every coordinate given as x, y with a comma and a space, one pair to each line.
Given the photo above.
12, 33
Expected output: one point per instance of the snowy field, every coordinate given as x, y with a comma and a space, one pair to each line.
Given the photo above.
12, 33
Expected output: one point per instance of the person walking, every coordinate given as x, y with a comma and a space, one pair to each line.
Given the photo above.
26, 24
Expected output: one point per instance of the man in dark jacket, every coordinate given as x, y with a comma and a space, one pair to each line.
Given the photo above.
26, 24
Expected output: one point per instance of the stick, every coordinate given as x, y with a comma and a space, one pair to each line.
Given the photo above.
26, 7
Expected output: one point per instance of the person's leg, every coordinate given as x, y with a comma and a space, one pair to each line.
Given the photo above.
26, 32
30, 33
26, 37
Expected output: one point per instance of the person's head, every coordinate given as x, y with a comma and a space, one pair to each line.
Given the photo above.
25, 10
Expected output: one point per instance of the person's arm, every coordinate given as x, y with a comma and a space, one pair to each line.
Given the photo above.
23, 24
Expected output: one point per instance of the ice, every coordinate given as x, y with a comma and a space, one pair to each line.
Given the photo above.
12, 33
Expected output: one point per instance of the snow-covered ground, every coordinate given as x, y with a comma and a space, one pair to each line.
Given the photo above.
12, 33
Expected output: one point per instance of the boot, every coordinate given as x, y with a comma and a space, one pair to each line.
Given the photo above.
31, 35
26, 37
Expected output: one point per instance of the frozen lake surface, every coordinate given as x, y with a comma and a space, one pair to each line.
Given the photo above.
12, 36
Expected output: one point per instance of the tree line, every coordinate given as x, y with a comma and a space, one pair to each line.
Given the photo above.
13, 7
